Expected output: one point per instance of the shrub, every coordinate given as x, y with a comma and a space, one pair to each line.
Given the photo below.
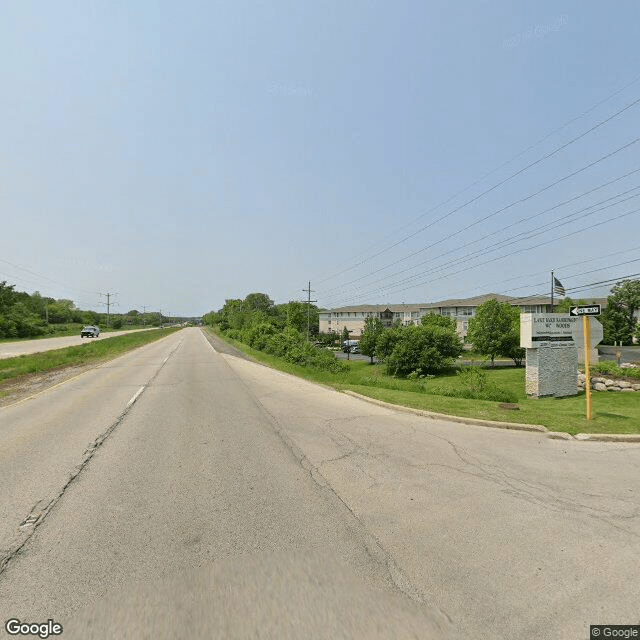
489, 392
473, 378
610, 368
424, 349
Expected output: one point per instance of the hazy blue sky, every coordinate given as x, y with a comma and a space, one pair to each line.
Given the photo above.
182, 153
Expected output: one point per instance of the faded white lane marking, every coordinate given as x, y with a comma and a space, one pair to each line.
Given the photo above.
135, 397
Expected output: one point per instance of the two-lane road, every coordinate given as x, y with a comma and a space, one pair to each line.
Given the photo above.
181, 492
24, 347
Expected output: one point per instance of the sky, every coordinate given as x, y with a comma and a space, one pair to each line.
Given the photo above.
181, 154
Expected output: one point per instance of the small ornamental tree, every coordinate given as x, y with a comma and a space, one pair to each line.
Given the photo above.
373, 329
494, 332
625, 300
615, 326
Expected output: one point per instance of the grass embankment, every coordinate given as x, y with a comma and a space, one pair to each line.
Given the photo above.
90, 351
613, 412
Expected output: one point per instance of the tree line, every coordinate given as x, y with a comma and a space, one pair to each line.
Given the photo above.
291, 331
288, 331
24, 315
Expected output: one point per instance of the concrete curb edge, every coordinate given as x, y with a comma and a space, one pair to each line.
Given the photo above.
553, 435
444, 416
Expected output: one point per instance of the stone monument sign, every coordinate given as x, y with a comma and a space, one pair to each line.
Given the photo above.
552, 356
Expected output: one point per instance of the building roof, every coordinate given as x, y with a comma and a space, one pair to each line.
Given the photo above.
457, 302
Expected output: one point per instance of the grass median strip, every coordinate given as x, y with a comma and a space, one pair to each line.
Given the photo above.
613, 412
91, 351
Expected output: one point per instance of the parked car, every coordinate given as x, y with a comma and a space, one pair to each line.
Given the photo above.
347, 345
90, 332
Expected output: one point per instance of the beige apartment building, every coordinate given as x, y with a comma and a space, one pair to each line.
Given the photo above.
353, 318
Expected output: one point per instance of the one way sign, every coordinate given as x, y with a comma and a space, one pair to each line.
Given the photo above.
593, 310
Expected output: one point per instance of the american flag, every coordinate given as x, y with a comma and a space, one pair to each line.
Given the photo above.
558, 288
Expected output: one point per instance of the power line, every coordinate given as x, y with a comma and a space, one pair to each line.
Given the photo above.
108, 304
506, 241
39, 275
492, 188
498, 211
502, 257
493, 283
309, 291
526, 235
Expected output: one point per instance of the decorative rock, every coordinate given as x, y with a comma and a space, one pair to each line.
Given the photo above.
600, 386
628, 365
627, 389
635, 387
611, 383
623, 384
594, 380
612, 388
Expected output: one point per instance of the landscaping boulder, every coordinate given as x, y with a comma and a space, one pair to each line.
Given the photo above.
600, 386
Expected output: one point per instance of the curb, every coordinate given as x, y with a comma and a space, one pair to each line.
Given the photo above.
514, 426
608, 437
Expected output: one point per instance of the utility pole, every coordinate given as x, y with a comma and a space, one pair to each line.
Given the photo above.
309, 290
108, 304
144, 310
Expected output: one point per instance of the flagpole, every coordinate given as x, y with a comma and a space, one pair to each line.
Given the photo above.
552, 291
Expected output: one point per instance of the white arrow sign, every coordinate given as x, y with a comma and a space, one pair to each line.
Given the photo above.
595, 333
585, 311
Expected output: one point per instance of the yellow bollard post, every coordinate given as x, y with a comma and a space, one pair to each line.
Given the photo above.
587, 362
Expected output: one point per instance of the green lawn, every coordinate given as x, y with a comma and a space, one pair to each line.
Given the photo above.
612, 412
90, 351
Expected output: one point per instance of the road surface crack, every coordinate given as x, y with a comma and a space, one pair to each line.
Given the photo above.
42, 508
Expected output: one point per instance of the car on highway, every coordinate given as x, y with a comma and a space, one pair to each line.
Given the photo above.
90, 332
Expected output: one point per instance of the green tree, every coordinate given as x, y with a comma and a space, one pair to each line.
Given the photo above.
373, 329
298, 314
387, 341
625, 301
424, 349
493, 330
436, 320
615, 327
345, 334
259, 302
7, 296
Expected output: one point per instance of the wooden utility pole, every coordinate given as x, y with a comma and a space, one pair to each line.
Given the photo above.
108, 304
309, 290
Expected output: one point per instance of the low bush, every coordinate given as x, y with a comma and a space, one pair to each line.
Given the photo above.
607, 367
489, 392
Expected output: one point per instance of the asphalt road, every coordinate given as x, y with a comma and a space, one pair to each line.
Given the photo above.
230, 500
627, 354
23, 347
